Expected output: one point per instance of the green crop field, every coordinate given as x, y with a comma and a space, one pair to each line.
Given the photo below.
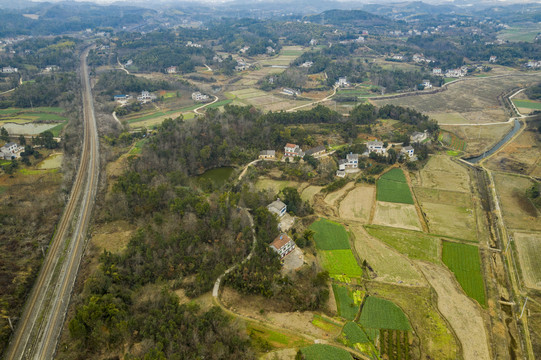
329, 235
383, 314
527, 104
340, 262
345, 303
392, 187
219, 103
356, 335
325, 352
394, 175
463, 260
415, 244
393, 191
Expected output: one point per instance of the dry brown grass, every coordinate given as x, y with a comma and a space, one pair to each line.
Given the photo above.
402, 216
357, 204
442, 173
479, 138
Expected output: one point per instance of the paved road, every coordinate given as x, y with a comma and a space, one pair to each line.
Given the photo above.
37, 331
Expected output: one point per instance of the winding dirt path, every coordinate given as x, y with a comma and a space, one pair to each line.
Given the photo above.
460, 311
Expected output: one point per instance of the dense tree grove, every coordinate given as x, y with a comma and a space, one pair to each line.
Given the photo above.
57, 89
534, 92
118, 82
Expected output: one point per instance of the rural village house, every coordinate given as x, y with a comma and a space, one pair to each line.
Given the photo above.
342, 82
418, 137
292, 150
351, 162
10, 151
197, 96
283, 245
146, 97
318, 150
267, 154
277, 207
376, 147
408, 150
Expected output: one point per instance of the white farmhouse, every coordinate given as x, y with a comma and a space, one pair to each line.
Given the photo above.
376, 147
277, 207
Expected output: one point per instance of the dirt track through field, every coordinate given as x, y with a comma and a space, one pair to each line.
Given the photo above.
460, 311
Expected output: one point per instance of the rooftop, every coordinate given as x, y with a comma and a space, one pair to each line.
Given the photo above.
280, 241
277, 205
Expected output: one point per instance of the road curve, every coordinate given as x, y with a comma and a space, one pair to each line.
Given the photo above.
37, 331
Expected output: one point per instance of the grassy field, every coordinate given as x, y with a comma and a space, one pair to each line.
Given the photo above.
528, 104
357, 204
397, 215
444, 118
356, 335
273, 338
345, 303
414, 244
444, 174
518, 210
329, 235
326, 324
340, 262
309, 193
394, 175
440, 205
325, 352
10, 111
451, 140
529, 253
383, 314
463, 260
515, 34
389, 265
392, 187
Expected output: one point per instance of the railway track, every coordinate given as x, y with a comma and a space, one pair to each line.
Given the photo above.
37, 331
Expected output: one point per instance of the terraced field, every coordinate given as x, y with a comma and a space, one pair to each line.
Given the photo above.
383, 314
392, 187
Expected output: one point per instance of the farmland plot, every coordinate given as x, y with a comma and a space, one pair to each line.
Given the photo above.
341, 264
529, 254
357, 204
383, 314
397, 215
329, 235
356, 335
392, 187
389, 265
331, 198
325, 352
414, 244
442, 173
464, 261
345, 303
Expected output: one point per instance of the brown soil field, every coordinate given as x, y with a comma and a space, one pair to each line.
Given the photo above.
476, 99
331, 198
522, 155
113, 236
460, 311
479, 138
445, 197
518, 210
396, 215
283, 354
442, 173
388, 264
357, 204
309, 192
449, 220
430, 329
250, 306
529, 254
277, 185
447, 118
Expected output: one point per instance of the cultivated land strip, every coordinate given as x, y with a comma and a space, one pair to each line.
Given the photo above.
38, 329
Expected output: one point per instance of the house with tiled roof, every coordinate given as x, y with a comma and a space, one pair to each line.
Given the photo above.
283, 245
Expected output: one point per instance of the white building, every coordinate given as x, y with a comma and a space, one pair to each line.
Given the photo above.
408, 150
341, 173
426, 84
418, 137
398, 57
283, 245
376, 147
277, 207
436, 71
342, 82
171, 70
493, 59
293, 150
191, 44
350, 162
146, 97
313, 42
454, 73
290, 92
267, 154
533, 64
307, 64
197, 96
9, 70
10, 151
